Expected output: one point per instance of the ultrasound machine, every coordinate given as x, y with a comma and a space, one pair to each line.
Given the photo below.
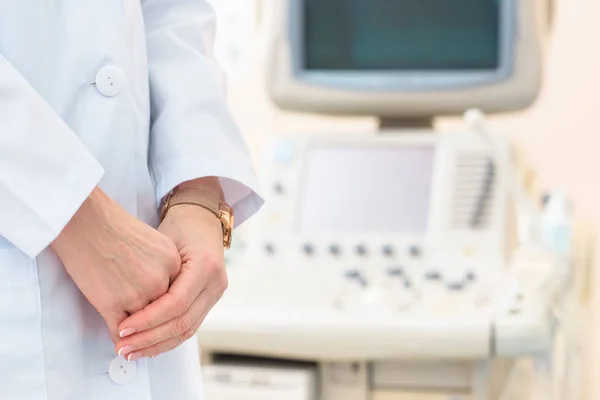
402, 263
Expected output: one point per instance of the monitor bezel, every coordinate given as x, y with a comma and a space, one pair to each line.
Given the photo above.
409, 80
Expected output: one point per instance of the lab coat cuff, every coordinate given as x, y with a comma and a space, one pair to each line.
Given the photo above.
239, 184
43, 226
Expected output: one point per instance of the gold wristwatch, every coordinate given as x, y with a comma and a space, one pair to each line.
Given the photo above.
204, 199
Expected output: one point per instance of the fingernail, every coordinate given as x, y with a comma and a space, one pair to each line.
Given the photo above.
127, 332
134, 356
125, 350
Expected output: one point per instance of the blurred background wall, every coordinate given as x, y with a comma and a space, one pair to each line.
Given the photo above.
560, 134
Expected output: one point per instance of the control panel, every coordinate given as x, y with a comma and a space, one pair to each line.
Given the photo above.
384, 221
379, 246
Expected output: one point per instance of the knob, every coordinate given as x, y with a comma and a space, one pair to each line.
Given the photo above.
308, 249
335, 250
398, 273
514, 309
415, 251
471, 277
357, 276
395, 271
361, 250
433, 276
269, 248
387, 250
519, 296
456, 287
353, 274
278, 188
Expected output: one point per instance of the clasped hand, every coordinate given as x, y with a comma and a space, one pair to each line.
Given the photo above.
152, 287
176, 316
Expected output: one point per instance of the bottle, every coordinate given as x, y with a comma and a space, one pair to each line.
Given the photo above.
556, 225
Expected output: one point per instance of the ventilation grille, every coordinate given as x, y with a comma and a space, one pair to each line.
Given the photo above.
473, 192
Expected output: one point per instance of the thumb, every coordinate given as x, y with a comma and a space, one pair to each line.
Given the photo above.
113, 320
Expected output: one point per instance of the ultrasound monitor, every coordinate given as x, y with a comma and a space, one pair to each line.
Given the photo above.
411, 35
401, 58
330, 174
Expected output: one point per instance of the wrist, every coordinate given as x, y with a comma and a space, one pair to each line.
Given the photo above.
91, 213
210, 185
191, 198
191, 212
184, 220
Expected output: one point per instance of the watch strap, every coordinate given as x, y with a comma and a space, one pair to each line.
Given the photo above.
197, 197
206, 200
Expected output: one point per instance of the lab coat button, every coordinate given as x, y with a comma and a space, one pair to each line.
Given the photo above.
122, 371
110, 81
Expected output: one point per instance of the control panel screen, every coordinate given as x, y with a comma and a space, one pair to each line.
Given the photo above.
362, 189
401, 34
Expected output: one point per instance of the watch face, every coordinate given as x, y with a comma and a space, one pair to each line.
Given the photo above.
165, 206
227, 222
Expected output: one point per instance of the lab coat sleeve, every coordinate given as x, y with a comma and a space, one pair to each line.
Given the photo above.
193, 134
45, 171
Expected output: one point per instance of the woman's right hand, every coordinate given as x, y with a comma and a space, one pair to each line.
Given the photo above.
119, 263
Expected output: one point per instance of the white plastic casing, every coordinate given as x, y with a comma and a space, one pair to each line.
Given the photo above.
459, 168
286, 303
526, 25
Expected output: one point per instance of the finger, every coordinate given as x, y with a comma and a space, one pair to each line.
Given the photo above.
171, 329
171, 305
161, 347
113, 320
166, 345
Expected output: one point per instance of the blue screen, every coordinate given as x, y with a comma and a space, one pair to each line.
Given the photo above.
401, 34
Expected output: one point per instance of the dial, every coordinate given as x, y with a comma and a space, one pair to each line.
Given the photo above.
335, 250
278, 188
308, 249
433, 275
415, 251
395, 271
388, 250
269, 248
456, 286
361, 250
356, 276
471, 277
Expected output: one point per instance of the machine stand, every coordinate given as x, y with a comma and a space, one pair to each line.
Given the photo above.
347, 381
491, 378
397, 124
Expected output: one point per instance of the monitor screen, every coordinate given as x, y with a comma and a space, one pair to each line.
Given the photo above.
356, 35
360, 190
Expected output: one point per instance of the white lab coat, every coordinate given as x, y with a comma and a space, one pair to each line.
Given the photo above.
120, 93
